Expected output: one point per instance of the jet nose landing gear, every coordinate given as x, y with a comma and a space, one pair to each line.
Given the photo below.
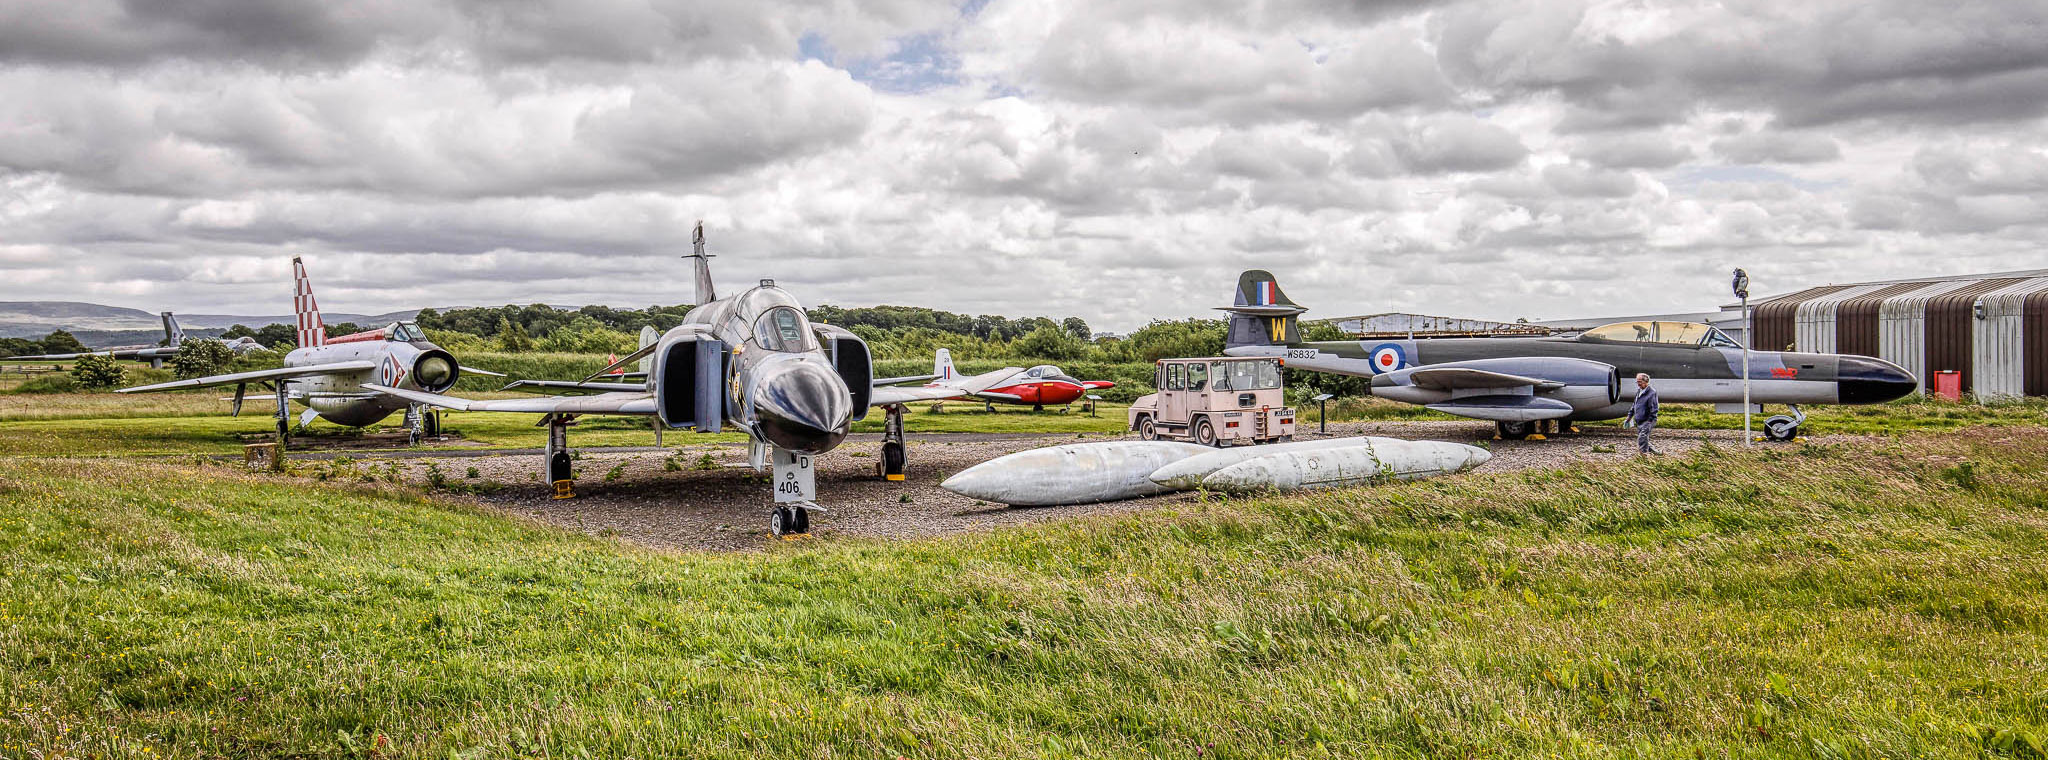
790, 521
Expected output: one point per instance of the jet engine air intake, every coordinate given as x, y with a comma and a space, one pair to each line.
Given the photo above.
688, 374
850, 358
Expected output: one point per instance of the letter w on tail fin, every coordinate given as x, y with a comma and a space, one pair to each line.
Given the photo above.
1261, 315
312, 332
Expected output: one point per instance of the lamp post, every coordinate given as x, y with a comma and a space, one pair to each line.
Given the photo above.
1748, 330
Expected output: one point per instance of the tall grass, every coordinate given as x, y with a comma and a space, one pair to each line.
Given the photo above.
1880, 599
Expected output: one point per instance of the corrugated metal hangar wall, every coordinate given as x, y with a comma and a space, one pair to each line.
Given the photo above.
1991, 328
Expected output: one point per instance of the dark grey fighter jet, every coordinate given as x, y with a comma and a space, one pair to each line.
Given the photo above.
753, 361
1520, 383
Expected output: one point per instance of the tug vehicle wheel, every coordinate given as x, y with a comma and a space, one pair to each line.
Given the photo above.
1205, 432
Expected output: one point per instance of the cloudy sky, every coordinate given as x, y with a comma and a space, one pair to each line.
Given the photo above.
1114, 159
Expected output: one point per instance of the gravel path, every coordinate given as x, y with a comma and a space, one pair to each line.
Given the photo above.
712, 501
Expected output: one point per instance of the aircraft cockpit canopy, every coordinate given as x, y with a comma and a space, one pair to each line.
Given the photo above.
404, 332
1048, 372
1663, 333
783, 328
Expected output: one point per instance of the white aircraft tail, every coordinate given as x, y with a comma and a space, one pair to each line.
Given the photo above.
172, 332
312, 332
942, 367
648, 336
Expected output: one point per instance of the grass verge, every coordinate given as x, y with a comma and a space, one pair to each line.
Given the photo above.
1876, 598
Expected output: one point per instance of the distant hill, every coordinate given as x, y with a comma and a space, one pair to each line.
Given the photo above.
35, 319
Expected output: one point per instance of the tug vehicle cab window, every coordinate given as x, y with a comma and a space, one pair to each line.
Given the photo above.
1198, 377
782, 329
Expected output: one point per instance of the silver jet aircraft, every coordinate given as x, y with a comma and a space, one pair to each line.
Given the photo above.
174, 341
334, 377
1524, 383
752, 361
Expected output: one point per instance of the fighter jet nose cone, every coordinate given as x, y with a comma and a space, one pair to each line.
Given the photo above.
1863, 380
802, 407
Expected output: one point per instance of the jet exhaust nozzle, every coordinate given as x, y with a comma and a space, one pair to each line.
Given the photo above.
435, 371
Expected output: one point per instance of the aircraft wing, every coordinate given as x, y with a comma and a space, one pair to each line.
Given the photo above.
622, 402
257, 376
881, 381
887, 396
571, 388
118, 353
473, 370
1458, 378
1011, 397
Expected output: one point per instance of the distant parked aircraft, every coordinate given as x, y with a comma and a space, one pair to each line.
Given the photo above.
1037, 386
174, 338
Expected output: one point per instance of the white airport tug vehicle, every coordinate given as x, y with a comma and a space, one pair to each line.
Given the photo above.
1215, 401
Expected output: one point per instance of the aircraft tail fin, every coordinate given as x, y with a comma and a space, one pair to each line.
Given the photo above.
942, 366
705, 292
1262, 315
311, 331
172, 332
648, 337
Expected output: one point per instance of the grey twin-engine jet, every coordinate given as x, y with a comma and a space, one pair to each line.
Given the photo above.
333, 377
174, 340
752, 361
1521, 382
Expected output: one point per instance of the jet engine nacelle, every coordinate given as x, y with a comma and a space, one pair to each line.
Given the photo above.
687, 376
1510, 389
435, 370
853, 362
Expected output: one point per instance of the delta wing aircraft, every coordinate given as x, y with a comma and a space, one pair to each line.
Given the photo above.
174, 341
334, 377
752, 361
1521, 383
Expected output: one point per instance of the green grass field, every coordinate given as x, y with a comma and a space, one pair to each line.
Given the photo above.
1879, 599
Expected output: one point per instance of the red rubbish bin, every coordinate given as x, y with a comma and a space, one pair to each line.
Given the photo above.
1948, 384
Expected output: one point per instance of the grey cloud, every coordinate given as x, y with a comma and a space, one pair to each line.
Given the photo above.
1458, 144
1582, 181
1830, 62
341, 33
1778, 147
196, 136
1632, 151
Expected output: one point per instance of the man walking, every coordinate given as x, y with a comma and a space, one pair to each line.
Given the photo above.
1644, 413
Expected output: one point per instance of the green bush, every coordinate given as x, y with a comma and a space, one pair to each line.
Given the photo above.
200, 357
97, 372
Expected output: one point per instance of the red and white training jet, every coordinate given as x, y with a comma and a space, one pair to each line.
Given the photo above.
1038, 386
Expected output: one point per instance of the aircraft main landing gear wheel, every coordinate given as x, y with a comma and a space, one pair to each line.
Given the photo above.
1147, 430
1781, 428
1514, 431
1205, 433
430, 425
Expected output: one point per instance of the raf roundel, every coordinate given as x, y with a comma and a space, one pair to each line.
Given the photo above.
1387, 357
